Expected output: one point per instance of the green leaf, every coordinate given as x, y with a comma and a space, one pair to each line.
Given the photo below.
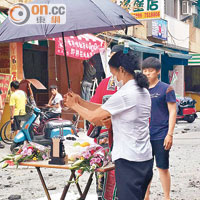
74, 167
77, 163
4, 165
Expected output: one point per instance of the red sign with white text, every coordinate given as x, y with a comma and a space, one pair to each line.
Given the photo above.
80, 47
4, 86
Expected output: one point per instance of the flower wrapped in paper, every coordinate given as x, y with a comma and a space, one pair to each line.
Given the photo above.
90, 159
26, 152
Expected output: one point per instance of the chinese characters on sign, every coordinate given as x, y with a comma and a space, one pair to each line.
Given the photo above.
13, 60
147, 9
81, 47
4, 86
159, 29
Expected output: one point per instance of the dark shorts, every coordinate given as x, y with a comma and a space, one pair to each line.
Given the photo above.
16, 124
161, 155
132, 178
17, 121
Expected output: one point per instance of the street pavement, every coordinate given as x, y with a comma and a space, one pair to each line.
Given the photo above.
184, 168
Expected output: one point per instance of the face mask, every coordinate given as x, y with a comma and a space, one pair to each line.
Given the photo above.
119, 84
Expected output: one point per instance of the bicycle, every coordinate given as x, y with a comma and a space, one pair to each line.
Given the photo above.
6, 135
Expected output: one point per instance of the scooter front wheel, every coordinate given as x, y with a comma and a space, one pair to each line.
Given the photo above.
190, 118
13, 147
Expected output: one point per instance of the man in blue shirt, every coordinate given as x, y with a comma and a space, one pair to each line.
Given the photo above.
162, 122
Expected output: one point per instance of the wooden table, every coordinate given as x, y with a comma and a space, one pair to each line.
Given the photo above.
44, 164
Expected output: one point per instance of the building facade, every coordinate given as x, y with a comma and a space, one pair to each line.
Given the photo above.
175, 30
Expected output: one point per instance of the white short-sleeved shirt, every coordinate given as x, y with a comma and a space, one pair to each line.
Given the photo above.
130, 108
58, 98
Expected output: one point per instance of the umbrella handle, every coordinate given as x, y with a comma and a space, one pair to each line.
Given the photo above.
67, 69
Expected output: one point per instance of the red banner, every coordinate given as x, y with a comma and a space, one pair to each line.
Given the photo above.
109, 186
4, 86
81, 47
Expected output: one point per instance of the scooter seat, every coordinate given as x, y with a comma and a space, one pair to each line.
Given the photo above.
56, 124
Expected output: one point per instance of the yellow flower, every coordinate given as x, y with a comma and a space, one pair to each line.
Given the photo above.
34, 158
82, 158
85, 144
38, 151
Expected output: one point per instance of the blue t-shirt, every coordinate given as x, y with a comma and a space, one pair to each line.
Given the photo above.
161, 94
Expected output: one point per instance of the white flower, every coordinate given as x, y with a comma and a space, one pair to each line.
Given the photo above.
17, 157
93, 167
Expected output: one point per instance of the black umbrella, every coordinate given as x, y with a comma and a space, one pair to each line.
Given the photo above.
82, 16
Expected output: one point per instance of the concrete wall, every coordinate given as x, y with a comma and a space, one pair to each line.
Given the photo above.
58, 75
194, 39
179, 83
178, 32
140, 31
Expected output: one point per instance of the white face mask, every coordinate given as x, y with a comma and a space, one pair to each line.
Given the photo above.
119, 84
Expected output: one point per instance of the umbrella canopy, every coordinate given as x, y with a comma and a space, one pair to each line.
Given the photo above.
2, 17
81, 47
82, 16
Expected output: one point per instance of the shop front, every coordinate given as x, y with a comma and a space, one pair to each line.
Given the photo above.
192, 81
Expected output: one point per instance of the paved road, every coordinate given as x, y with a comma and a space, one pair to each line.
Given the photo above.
184, 167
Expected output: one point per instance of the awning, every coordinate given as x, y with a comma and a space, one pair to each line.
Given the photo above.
146, 43
195, 60
141, 48
171, 52
178, 55
151, 47
134, 45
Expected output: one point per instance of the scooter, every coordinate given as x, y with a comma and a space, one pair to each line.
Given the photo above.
186, 109
52, 128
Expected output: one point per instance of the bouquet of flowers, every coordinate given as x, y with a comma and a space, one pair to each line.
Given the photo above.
27, 152
92, 158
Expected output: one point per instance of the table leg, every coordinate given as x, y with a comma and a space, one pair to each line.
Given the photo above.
66, 187
87, 187
43, 183
77, 184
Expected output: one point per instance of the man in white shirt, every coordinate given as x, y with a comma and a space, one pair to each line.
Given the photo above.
54, 103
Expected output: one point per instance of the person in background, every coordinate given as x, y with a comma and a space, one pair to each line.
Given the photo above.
162, 123
1, 113
54, 103
100, 74
103, 92
18, 102
129, 109
89, 74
